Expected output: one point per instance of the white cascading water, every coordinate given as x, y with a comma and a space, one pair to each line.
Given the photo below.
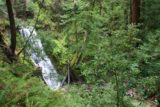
49, 73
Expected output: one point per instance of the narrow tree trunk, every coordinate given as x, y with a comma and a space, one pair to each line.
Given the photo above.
135, 11
12, 26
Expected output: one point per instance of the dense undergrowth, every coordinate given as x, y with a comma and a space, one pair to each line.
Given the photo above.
109, 57
18, 88
26, 91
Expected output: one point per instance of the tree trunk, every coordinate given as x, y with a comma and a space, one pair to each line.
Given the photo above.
12, 26
135, 11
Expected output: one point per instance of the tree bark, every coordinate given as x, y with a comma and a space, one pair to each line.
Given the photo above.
135, 11
12, 26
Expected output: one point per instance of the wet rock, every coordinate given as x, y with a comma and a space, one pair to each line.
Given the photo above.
37, 72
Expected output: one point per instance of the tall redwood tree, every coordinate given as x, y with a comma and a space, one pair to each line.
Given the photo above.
135, 11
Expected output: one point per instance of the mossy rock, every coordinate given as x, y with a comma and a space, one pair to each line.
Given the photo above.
37, 72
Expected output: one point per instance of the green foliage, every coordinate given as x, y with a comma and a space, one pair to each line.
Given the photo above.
57, 47
148, 86
33, 7
2, 7
95, 38
97, 41
148, 55
150, 13
27, 92
24, 90
97, 96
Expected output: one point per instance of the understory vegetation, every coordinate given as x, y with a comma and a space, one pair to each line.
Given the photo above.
112, 55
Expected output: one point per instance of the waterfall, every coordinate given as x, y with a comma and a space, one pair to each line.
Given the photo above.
39, 57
